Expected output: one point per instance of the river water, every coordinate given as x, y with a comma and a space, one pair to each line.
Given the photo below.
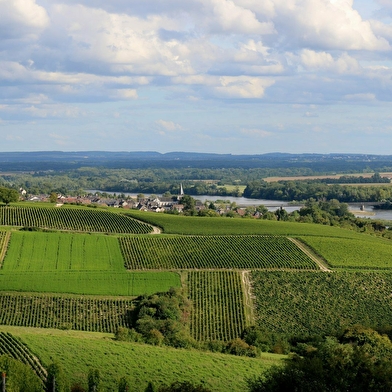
272, 205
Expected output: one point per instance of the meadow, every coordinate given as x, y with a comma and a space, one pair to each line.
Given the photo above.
353, 253
78, 352
34, 251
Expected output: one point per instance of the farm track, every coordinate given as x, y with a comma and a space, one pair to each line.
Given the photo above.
310, 254
248, 298
3, 249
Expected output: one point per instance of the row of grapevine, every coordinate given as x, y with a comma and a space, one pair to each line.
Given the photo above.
299, 303
78, 313
16, 349
218, 305
4, 238
72, 219
210, 252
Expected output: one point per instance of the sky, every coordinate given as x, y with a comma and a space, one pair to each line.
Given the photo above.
218, 76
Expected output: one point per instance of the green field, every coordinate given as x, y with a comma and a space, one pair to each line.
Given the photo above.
65, 312
321, 303
218, 305
194, 225
62, 252
94, 283
211, 252
80, 351
73, 219
371, 253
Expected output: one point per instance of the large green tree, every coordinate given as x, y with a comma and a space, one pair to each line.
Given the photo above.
8, 195
358, 361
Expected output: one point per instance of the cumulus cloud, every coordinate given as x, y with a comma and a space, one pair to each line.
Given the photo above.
169, 126
21, 19
242, 87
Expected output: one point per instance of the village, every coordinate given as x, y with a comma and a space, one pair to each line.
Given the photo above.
166, 203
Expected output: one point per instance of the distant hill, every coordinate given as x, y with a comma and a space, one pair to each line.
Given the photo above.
60, 160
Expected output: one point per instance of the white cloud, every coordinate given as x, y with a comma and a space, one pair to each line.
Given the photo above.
325, 24
242, 87
21, 18
325, 61
260, 133
169, 126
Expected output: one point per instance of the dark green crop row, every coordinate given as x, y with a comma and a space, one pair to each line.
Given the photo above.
84, 314
321, 303
218, 305
16, 349
76, 219
207, 252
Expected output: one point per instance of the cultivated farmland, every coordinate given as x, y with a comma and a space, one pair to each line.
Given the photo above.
218, 312
321, 303
211, 252
75, 219
78, 313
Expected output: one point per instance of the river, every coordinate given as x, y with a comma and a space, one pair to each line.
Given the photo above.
272, 205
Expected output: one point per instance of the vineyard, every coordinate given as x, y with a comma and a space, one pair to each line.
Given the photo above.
62, 251
218, 305
80, 219
321, 303
48, 311
16, 349
211, 252
353, 253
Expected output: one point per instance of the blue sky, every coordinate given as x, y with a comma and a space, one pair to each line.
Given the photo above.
224, 76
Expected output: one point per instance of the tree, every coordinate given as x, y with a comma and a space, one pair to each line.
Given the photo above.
189, 204
19, 377
93, 380
359, 361
53, 197
56, 380
8, 195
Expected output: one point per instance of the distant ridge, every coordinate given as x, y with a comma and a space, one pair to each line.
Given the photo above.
66, 160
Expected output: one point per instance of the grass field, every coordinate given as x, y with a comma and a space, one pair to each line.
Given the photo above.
173, 224
78, 352
30, 251
301, 303
94, 283
353, 253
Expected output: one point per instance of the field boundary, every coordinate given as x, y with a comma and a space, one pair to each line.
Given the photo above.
248, 298
4, 247
310, 254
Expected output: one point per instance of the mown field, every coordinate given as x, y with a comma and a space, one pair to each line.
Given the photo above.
353, 253
79, 352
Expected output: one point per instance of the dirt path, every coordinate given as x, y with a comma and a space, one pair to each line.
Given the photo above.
248, 298
310, 254
155, 230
